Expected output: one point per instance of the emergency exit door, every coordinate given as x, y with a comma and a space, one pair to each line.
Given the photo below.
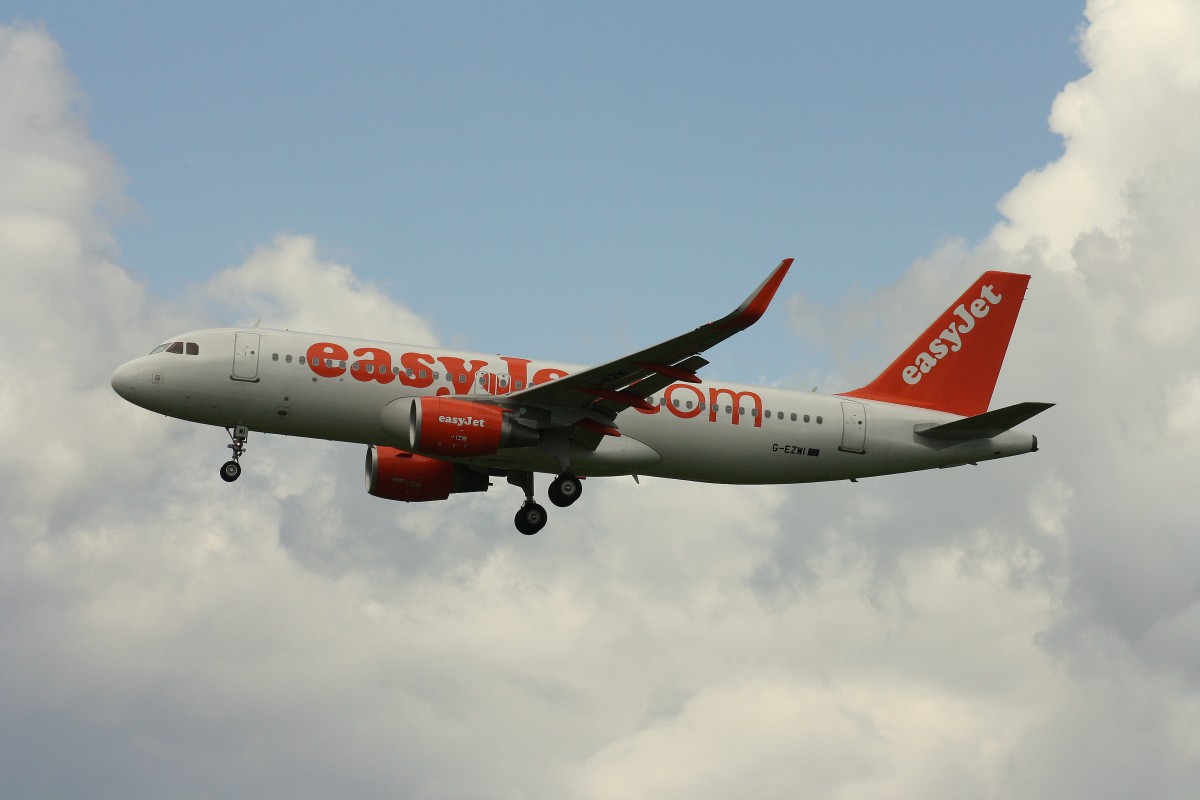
245, 356
854, 427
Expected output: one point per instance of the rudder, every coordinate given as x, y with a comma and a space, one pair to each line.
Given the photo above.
954, 364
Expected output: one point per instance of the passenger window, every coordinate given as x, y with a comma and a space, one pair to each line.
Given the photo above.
793, 416
193, 349
274, 356
819, 420
520, 384
176, 347
807, 418
689, 404
287, 359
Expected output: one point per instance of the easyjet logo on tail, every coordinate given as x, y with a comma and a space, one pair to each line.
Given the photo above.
951, 340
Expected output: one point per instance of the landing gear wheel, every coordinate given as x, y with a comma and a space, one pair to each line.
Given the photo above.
565, 490
531, 518
232, 470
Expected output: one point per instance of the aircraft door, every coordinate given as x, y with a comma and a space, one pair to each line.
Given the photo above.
854, 427
245, 356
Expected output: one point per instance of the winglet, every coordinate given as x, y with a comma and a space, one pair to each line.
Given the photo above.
755, 306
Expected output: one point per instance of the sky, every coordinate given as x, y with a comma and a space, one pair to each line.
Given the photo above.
570, 182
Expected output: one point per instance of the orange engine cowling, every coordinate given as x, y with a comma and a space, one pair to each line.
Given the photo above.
399, 475
447, 427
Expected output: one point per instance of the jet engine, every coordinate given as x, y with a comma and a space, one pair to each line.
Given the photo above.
457, 428
399, 475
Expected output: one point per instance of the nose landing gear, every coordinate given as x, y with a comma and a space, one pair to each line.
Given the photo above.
232, 470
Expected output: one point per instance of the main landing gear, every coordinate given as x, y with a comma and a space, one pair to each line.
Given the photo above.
564, 490
531, 517
232, 470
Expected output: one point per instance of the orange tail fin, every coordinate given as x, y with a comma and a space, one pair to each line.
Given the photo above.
954, 364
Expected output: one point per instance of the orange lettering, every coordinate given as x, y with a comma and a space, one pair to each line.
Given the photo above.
462, 379
380, 363
548, 374
683, 413
714, 404
322, 351
415, 363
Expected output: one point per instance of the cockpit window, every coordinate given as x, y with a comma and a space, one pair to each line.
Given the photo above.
192, 348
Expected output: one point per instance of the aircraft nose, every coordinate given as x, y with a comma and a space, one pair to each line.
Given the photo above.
124, 381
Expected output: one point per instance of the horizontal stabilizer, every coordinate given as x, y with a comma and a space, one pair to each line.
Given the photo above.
986, 425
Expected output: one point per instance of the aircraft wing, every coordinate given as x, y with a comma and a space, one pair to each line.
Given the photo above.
627, 382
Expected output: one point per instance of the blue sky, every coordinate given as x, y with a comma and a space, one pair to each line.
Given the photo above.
564, 168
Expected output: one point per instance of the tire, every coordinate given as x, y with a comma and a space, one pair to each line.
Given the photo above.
565, 490
530, 519
231, 471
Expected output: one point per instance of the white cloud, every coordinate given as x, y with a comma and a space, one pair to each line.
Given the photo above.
289, 283
1128, 121
1027, 628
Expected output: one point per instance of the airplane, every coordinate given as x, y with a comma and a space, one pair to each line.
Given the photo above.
438, 422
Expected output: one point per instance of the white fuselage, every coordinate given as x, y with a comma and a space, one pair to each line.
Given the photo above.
720, 433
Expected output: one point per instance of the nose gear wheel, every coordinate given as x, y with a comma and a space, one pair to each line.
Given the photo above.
231, 470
